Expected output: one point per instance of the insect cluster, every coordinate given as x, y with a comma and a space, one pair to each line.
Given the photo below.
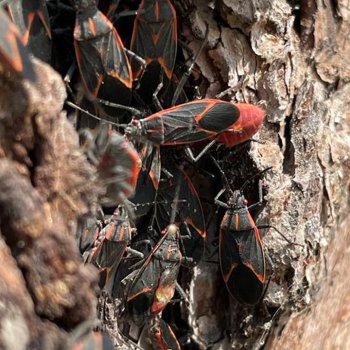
139, 127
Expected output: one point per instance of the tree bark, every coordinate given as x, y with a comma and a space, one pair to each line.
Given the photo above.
45, 186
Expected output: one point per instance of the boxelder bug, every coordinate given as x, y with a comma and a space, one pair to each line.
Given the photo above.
187, 123
189, 213
155, 35
13, 55
152, 286
241, 253
110, 247
154, 38
101, 57
32, 19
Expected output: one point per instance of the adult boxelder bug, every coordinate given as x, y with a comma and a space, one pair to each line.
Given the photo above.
154, 38
189, 210
111, 246
241, 253
32, 19
151, 287
101, 57
13, 55
187, 123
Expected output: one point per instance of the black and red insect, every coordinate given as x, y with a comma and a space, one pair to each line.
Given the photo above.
102, 60
189, 210
110, 246
32, 19
241, 252
151, 287
154, 38
187, 123
189, 213
14, 56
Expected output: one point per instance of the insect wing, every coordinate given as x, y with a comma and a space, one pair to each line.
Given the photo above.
107, 258
87, 233
148, 180
140, 296
189, 210
155, 35
119, 168
242, 258
13, 55
32, 19
101, 55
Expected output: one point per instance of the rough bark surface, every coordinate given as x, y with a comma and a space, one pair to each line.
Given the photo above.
45, 186
292, 57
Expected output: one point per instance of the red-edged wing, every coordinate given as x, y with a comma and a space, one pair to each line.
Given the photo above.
148, 180
241, 255
101, 57
32, 19
13, 55
189, 208
154, 36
